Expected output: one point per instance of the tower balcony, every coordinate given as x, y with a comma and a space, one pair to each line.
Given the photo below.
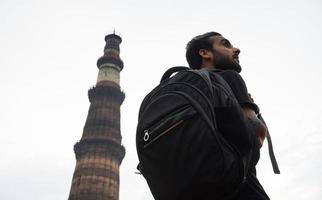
99, 147
106, 91
105, 60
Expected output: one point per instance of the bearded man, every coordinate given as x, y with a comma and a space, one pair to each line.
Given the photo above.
214, 52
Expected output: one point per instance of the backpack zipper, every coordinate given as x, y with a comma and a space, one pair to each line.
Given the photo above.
147, 134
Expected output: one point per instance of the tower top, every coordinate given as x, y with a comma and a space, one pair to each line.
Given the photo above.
113, 36
111, 52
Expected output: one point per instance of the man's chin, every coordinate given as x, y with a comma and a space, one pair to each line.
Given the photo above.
238, 68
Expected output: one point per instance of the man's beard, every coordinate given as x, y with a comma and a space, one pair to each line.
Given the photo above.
225, 62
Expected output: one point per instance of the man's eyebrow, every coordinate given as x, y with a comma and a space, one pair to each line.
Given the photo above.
224, 40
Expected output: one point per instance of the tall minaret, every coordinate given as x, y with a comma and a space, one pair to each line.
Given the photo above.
99, 153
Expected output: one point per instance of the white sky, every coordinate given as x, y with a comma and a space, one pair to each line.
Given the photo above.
48, 54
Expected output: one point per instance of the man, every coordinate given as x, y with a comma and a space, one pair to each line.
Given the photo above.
214, 52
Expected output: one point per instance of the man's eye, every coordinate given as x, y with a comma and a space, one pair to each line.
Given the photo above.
227, 44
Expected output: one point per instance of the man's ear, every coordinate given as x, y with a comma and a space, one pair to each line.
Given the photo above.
205, 54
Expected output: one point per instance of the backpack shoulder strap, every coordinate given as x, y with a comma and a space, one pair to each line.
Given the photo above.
270, 148
204, 73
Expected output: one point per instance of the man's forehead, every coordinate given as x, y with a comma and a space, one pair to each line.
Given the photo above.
217, 38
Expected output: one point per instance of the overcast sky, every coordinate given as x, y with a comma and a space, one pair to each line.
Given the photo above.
48, 54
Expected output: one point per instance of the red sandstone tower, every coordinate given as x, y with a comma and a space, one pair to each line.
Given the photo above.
99, 153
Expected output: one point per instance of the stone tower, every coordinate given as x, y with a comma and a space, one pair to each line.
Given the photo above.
99, 153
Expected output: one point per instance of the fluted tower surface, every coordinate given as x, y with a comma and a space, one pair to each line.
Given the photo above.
99, 153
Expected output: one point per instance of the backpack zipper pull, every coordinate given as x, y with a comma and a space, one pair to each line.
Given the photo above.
146, 135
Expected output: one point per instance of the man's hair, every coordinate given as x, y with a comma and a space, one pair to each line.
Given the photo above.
192, 50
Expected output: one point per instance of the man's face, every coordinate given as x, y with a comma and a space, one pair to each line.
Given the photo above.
224, 55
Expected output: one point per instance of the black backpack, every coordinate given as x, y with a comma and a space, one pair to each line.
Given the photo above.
182, 153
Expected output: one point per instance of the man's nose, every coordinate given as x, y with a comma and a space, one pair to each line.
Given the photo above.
236, 50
